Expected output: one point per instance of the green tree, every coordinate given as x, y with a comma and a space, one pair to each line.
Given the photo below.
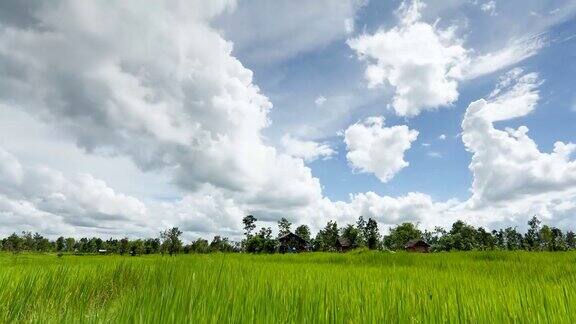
171, 240
13, 243
372, 234
400, 235
547, 238
463, 236
327, 238
249, 225
361, 226
283, 227
485, 239
268, 244
60, 244
137, 247
571, 240
304, 232
70, 242
200, 246
221, 244
152, 245
124, 246
513, 239
352, 235
532, 238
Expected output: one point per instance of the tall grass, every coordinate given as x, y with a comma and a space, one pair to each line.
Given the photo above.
357, 287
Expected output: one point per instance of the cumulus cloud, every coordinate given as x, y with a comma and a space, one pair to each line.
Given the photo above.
417, 59
158, 85
424, 64
307, 150
507, 164
48, 200
377, 149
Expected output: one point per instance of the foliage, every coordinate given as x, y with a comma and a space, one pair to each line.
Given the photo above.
400, 235
171, 242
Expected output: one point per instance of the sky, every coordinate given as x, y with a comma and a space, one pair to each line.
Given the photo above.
125, 118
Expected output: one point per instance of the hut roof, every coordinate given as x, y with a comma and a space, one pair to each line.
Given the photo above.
343, 241
417, 242
291, 236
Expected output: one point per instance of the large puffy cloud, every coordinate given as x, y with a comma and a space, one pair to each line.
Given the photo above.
424, 63
155, 82
48, 200
377, 149
415, 58
507, 164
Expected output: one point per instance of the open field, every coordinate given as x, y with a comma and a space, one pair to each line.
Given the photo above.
317, 287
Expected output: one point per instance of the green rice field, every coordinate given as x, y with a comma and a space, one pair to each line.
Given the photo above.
357, 287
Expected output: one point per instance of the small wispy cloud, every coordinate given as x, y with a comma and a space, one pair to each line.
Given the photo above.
320, 100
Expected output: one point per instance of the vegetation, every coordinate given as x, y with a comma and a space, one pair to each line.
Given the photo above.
357, 287
461, 237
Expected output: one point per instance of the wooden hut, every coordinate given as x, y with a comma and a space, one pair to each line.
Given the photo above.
343, 244
292, 243
417, 246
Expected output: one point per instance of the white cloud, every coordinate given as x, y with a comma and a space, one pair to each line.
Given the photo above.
307, 150
47, 199
489, 7
424, 64
320, 101
516, 51
158, 85
507, 164
442, 137
377, 149
416, 59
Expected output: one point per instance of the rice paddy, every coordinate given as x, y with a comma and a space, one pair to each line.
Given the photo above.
357, 287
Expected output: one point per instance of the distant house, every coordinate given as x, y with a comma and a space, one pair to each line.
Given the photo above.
343, 244
102, 251
417, 246
292, 243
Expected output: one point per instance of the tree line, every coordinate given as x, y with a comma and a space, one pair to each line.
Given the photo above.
363, 234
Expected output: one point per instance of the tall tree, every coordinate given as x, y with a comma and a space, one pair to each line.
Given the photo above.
571, 240
372, 234
283, 227
171, 240
361, 226
70, 242
249, 225
327, 238
352, 235
532, 238
303, 231
513, 239
60, 244
124, 246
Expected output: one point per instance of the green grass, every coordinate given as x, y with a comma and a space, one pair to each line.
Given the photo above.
358, 287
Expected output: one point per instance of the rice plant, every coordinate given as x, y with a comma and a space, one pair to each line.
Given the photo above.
357, 287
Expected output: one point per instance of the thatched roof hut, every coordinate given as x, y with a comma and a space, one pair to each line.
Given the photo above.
418, 245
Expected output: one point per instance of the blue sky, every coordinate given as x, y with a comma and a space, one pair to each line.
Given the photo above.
332, 71
193, 114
